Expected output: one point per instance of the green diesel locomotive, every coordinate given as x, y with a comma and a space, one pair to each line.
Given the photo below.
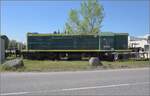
58, 46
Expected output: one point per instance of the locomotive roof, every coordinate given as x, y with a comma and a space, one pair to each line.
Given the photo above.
50, 34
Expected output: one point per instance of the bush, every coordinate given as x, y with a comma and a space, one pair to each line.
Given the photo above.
6, 68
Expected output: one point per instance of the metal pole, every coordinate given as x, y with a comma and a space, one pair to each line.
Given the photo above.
99, 43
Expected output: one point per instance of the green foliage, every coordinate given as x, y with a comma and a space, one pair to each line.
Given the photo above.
87, 20
8, 68
12, 44
73, 24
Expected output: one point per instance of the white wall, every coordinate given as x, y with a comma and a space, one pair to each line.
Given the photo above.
2, 51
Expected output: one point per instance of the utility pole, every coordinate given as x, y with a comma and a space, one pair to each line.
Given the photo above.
99, 42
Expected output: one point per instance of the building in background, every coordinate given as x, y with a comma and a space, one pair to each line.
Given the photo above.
142, 43
138, 42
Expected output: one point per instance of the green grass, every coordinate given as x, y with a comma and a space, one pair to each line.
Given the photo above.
126, 64
37, 65
47, 65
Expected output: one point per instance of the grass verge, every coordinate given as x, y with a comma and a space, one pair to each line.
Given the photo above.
47, 65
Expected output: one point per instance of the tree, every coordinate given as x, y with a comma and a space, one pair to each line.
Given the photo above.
73, 22
54, 32
87, 20
12, 44
58, 31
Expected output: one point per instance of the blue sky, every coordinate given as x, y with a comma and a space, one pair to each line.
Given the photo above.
20, 17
